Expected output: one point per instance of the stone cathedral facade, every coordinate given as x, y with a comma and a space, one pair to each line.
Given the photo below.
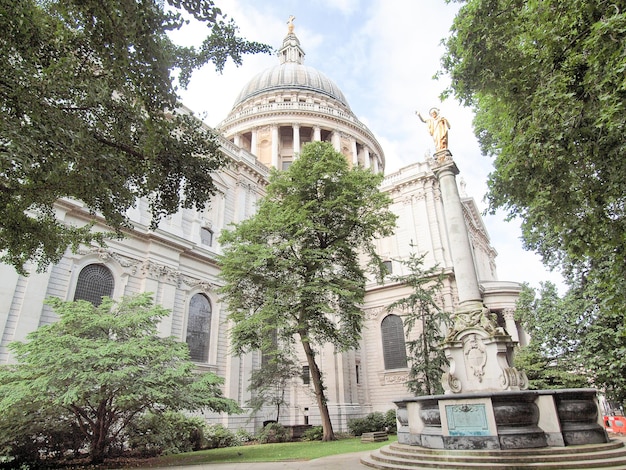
277, 112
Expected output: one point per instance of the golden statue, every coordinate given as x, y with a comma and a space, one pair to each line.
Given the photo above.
438, 127
290, 24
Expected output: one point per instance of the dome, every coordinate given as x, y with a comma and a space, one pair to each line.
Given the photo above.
286, 106
291, 75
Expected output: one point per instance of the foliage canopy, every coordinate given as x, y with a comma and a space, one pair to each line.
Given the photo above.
576, 340
269, 383
294, 269
546, 80
423, 315
99, 368
556, 326
90, 112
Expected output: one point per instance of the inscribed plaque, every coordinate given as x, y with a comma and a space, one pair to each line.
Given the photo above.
467, 420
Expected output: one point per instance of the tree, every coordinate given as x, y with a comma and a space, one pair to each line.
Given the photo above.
90, 112
294, 269
546, 80
269, 383
554, 356
604, 340
422, 310
576, 340
100, 368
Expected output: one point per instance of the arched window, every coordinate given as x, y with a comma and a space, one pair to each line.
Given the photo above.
394, 349
206, 236
199, 328
94, 282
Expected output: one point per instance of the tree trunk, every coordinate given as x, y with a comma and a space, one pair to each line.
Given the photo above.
99, 436
97, 450
316, 377
278, 406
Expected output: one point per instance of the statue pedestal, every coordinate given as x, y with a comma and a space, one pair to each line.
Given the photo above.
480, 354
480, 362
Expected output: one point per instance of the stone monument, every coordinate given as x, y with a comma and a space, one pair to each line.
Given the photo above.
486, 404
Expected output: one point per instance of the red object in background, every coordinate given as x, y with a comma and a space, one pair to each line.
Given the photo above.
615, 424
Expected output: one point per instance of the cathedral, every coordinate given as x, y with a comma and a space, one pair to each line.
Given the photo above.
275, 114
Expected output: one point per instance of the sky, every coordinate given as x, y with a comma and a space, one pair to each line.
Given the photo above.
383, 55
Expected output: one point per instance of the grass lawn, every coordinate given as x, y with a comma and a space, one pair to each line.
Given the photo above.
288, 451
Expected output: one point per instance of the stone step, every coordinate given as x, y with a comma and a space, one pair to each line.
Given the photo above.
616, 448
559, 459
610, 456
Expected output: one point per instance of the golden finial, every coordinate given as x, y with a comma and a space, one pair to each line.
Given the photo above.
290, 24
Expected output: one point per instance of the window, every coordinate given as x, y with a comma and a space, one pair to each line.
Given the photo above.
267, 356
94, 282
358, 374
388, 267
306, 375
206, 236
286, 164
199, 328
394, 349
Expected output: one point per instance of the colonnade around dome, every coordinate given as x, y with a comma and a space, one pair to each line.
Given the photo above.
278, 145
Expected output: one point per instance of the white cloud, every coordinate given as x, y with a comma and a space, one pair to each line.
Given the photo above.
344, 6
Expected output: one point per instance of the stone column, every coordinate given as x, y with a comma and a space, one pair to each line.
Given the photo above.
237, 140
253, 143
275, 146
511, 327
296, 139
462, 258
366, 157
478, 351
355, 155
336, 140
317, 134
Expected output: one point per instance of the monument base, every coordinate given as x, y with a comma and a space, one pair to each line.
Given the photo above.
501, 420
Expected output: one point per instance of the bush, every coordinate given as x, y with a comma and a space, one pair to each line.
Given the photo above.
242, 436
217, 436
165, 433
27, 436
371, 423
313, 434
273, 432
390, 421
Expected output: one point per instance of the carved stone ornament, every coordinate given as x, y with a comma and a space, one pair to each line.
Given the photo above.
395, 378
205, 286
105, 254
442, 156
373, 313
157, 271
509, 314
451, 383
513, 378
475, 356
474, 317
